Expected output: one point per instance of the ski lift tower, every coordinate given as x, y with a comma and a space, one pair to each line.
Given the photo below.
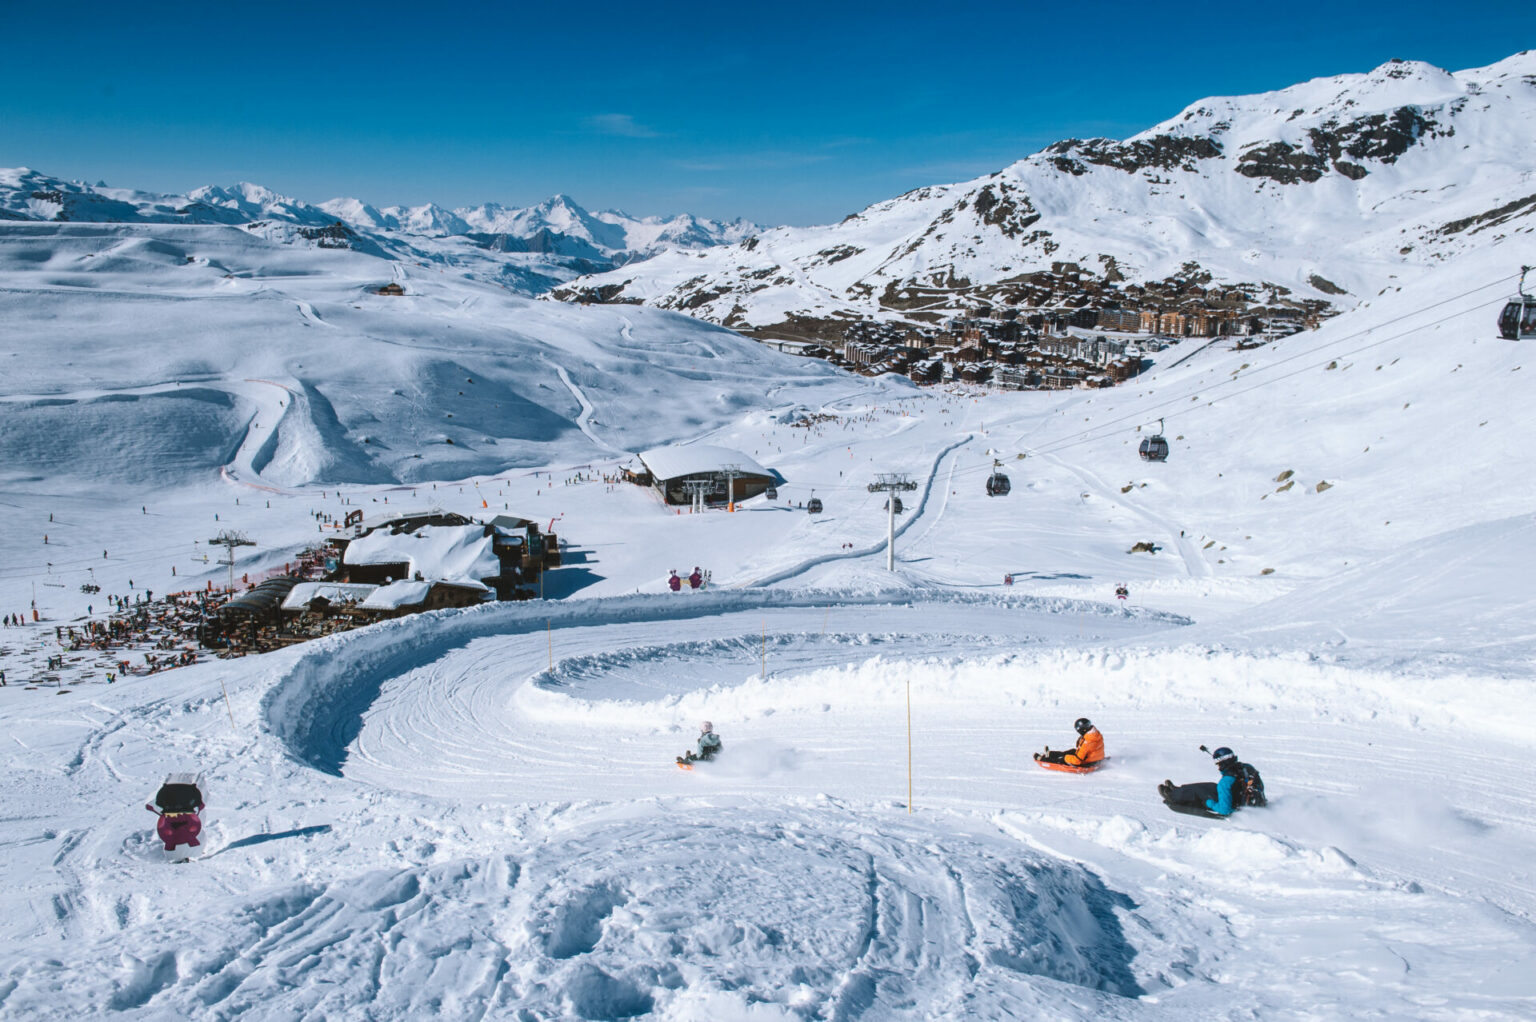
891, 483
697, 488
730, 472
229, 539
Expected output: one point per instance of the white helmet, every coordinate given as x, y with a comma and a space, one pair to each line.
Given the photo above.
706, 727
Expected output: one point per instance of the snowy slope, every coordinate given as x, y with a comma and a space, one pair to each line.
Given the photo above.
159, 354
1325, 191
475, 812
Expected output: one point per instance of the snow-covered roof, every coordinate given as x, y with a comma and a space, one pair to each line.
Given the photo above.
692, 459
335, 592
397, 595
433, 551
413, 594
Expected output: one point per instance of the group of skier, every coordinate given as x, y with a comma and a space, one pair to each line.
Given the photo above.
697, 580
1240, 783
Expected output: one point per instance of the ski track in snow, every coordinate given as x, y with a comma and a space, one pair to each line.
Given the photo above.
583, 420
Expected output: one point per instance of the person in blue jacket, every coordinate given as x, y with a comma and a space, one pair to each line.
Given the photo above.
1224, 802
709, 745
1240, 786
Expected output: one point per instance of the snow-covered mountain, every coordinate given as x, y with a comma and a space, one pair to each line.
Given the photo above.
1320, 191
528, 249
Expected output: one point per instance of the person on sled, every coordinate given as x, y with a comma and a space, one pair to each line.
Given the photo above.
1240, 786
177, 804
709, 745
1088, 752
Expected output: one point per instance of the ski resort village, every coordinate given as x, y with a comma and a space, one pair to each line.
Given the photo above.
1096, 589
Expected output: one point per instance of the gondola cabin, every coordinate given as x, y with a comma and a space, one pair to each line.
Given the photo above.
997, 483
772, 493
1154, 448
899, 507
1518, 320
813, 506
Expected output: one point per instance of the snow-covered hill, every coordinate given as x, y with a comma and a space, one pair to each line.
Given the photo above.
527, 249
157, 354
1326, 190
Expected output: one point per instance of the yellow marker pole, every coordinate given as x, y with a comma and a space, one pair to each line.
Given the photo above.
909, 746
226, 703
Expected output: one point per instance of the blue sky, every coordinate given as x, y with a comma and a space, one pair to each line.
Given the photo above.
782, 113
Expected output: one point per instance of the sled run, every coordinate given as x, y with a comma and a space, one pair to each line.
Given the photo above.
415, 818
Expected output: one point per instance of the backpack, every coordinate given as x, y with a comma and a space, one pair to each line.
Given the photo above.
1249, 789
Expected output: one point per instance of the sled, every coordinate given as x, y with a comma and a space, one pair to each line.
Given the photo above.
1193, 810
1068, 768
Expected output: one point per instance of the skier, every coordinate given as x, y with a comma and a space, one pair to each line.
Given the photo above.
1240, 786
1089, 751
1008, 579
1122, 591
674, 582
709, 745
696, 579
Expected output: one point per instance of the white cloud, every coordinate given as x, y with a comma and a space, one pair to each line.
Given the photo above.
623, 125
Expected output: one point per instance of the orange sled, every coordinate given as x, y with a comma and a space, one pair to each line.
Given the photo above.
1067, 769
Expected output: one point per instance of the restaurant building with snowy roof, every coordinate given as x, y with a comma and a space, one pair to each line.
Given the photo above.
669, 468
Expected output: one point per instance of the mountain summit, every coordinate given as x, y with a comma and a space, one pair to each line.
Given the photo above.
1320, 191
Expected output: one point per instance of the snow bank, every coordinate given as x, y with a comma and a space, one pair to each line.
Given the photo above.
315, 708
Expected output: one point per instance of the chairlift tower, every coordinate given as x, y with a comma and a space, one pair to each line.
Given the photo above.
891, 483
229, 539
697, 488
730, 472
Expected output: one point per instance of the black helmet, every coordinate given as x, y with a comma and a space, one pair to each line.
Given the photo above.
1083, 724
1223, 756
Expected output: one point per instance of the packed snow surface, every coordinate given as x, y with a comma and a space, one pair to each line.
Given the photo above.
477, 813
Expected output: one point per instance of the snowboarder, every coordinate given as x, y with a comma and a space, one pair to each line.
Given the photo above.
674, 582
1240, 786
708, 747
696, 579
1088, 752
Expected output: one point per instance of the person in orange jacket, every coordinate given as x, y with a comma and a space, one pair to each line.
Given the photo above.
1088, 752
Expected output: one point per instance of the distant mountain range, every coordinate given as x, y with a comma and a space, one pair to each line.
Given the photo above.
1318, 194
530, 248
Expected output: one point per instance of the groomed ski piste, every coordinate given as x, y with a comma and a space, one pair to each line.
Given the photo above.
476, 813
